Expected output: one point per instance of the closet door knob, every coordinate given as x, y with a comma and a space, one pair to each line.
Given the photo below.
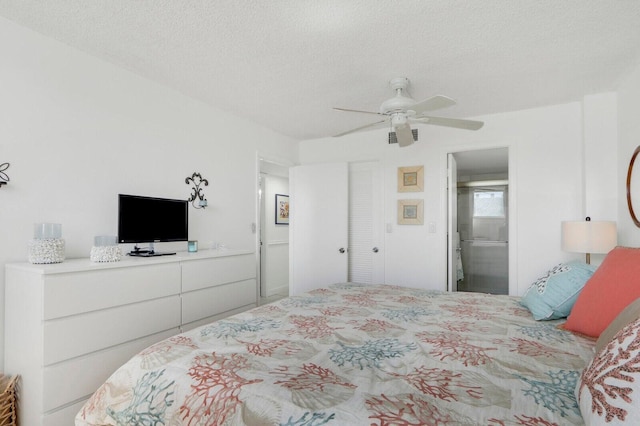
341, 250
375, 249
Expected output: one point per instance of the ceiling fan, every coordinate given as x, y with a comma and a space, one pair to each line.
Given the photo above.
401, 110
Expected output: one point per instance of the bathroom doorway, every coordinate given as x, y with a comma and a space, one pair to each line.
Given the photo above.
481, 231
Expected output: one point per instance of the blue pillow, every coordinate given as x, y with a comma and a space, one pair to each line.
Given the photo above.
553, 295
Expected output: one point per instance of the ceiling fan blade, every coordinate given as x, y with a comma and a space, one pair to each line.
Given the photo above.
356, 110
433, 103
404, 135
366, 126
451, 122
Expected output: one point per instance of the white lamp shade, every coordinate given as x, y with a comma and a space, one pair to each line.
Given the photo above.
589, 236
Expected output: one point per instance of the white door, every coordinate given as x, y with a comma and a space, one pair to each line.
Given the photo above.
452, 225
366, 256
318, 226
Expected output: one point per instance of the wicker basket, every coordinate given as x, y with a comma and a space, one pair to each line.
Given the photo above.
8, 412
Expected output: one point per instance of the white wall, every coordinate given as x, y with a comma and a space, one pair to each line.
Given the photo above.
601, 155
78, 131
546, 169
600, 160
629, 139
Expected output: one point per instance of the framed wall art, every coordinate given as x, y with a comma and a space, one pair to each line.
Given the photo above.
410, 212
411, 179
282, 209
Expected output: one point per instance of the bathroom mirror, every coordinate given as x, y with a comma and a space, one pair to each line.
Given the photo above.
633, 181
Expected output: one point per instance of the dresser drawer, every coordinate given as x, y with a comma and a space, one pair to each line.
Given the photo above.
204, 273
74, 336
68, 381
104, 288
216, 300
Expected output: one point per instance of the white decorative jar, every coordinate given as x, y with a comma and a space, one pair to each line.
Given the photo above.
47, 245
105, 249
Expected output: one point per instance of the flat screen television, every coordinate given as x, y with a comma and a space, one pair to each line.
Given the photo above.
150, 220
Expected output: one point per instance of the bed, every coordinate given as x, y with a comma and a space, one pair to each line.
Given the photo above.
352, 354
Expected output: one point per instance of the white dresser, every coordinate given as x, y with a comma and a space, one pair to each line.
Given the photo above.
68, 326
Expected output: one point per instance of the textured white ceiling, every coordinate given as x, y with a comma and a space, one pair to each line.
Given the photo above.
286, 63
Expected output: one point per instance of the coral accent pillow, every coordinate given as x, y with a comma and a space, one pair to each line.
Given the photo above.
608, 391
614, 285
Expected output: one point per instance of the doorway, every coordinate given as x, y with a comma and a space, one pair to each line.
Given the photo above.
272, 244
483, 236
479, 247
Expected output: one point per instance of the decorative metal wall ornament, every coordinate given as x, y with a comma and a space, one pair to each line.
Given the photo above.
4, 178
197, 194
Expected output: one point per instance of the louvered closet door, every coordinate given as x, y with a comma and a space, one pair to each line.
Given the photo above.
366, 257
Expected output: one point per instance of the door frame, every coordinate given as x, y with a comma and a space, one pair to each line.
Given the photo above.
452, 222
512, 205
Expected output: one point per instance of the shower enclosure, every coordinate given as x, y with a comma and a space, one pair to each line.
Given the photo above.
483, 237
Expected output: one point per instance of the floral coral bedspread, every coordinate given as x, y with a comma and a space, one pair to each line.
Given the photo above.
355, 355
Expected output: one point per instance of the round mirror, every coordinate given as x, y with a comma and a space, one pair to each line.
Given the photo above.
631, 180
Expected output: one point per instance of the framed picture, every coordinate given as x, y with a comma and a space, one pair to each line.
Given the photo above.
282, 209
410, 212
411, 179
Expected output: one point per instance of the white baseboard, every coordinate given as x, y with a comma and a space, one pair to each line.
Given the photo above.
283, 289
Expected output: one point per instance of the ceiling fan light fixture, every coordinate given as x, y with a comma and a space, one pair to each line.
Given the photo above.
398, 119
